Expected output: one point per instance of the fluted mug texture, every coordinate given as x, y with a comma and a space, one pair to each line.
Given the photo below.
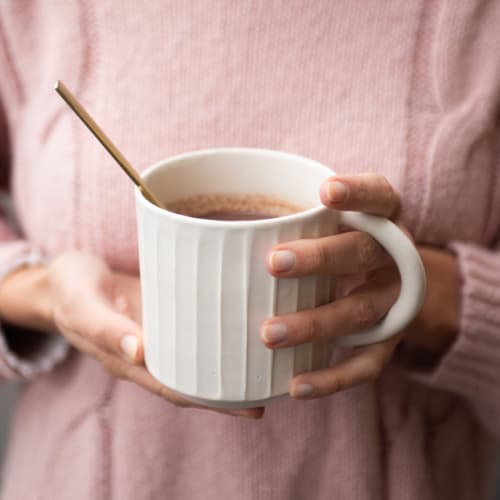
205, 287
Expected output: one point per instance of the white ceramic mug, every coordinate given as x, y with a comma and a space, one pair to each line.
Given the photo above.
206, 290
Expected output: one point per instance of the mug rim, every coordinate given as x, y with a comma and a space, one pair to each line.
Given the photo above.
228, 224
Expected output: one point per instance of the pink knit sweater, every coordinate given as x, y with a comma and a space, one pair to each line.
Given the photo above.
407, 88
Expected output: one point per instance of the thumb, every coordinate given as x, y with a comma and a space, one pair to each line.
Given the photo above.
111, 330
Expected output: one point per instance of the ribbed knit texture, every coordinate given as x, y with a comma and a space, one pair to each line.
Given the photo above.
407, 89
469, 369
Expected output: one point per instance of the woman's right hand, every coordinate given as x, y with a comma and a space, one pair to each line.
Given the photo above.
99, 313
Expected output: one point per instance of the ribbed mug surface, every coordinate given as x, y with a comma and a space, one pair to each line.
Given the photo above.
206, 291
205, 287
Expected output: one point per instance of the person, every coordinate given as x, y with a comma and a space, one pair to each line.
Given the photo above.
408, 92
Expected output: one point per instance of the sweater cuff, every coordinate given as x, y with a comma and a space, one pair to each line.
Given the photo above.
471, 366
25, 353
30, 354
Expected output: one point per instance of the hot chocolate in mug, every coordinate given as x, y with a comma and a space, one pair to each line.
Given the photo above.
205, 287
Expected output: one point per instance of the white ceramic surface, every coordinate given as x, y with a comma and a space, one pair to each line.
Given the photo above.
205, 288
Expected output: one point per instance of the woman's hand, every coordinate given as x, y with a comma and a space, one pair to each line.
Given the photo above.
437, 323
97, 310
356, 253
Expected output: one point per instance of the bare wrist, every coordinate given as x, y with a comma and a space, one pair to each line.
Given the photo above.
25, 298
436, 326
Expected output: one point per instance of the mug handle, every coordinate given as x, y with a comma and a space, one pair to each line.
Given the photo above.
411, 270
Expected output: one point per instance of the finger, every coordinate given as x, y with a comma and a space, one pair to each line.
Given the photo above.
142, 377
352, 314
370, 193
139, 375
346, 253
364, 366
111, 330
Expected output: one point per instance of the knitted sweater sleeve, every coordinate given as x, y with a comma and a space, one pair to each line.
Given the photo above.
471, 366
23, 354
466, 97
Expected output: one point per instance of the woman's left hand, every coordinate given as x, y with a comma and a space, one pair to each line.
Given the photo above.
354, 253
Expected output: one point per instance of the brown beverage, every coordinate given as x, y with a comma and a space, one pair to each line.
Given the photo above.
233, 207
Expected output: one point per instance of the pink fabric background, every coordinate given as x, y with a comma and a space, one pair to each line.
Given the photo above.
407, 89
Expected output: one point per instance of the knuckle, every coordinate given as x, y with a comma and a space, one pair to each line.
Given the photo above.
367, 181
309, 328
312, 328
366, 314
368, 252
337, 384
389, 195
322, 257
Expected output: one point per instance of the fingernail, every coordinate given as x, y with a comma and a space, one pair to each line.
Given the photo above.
129, 346
274, 333
282, 260
302, 391
337, 192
